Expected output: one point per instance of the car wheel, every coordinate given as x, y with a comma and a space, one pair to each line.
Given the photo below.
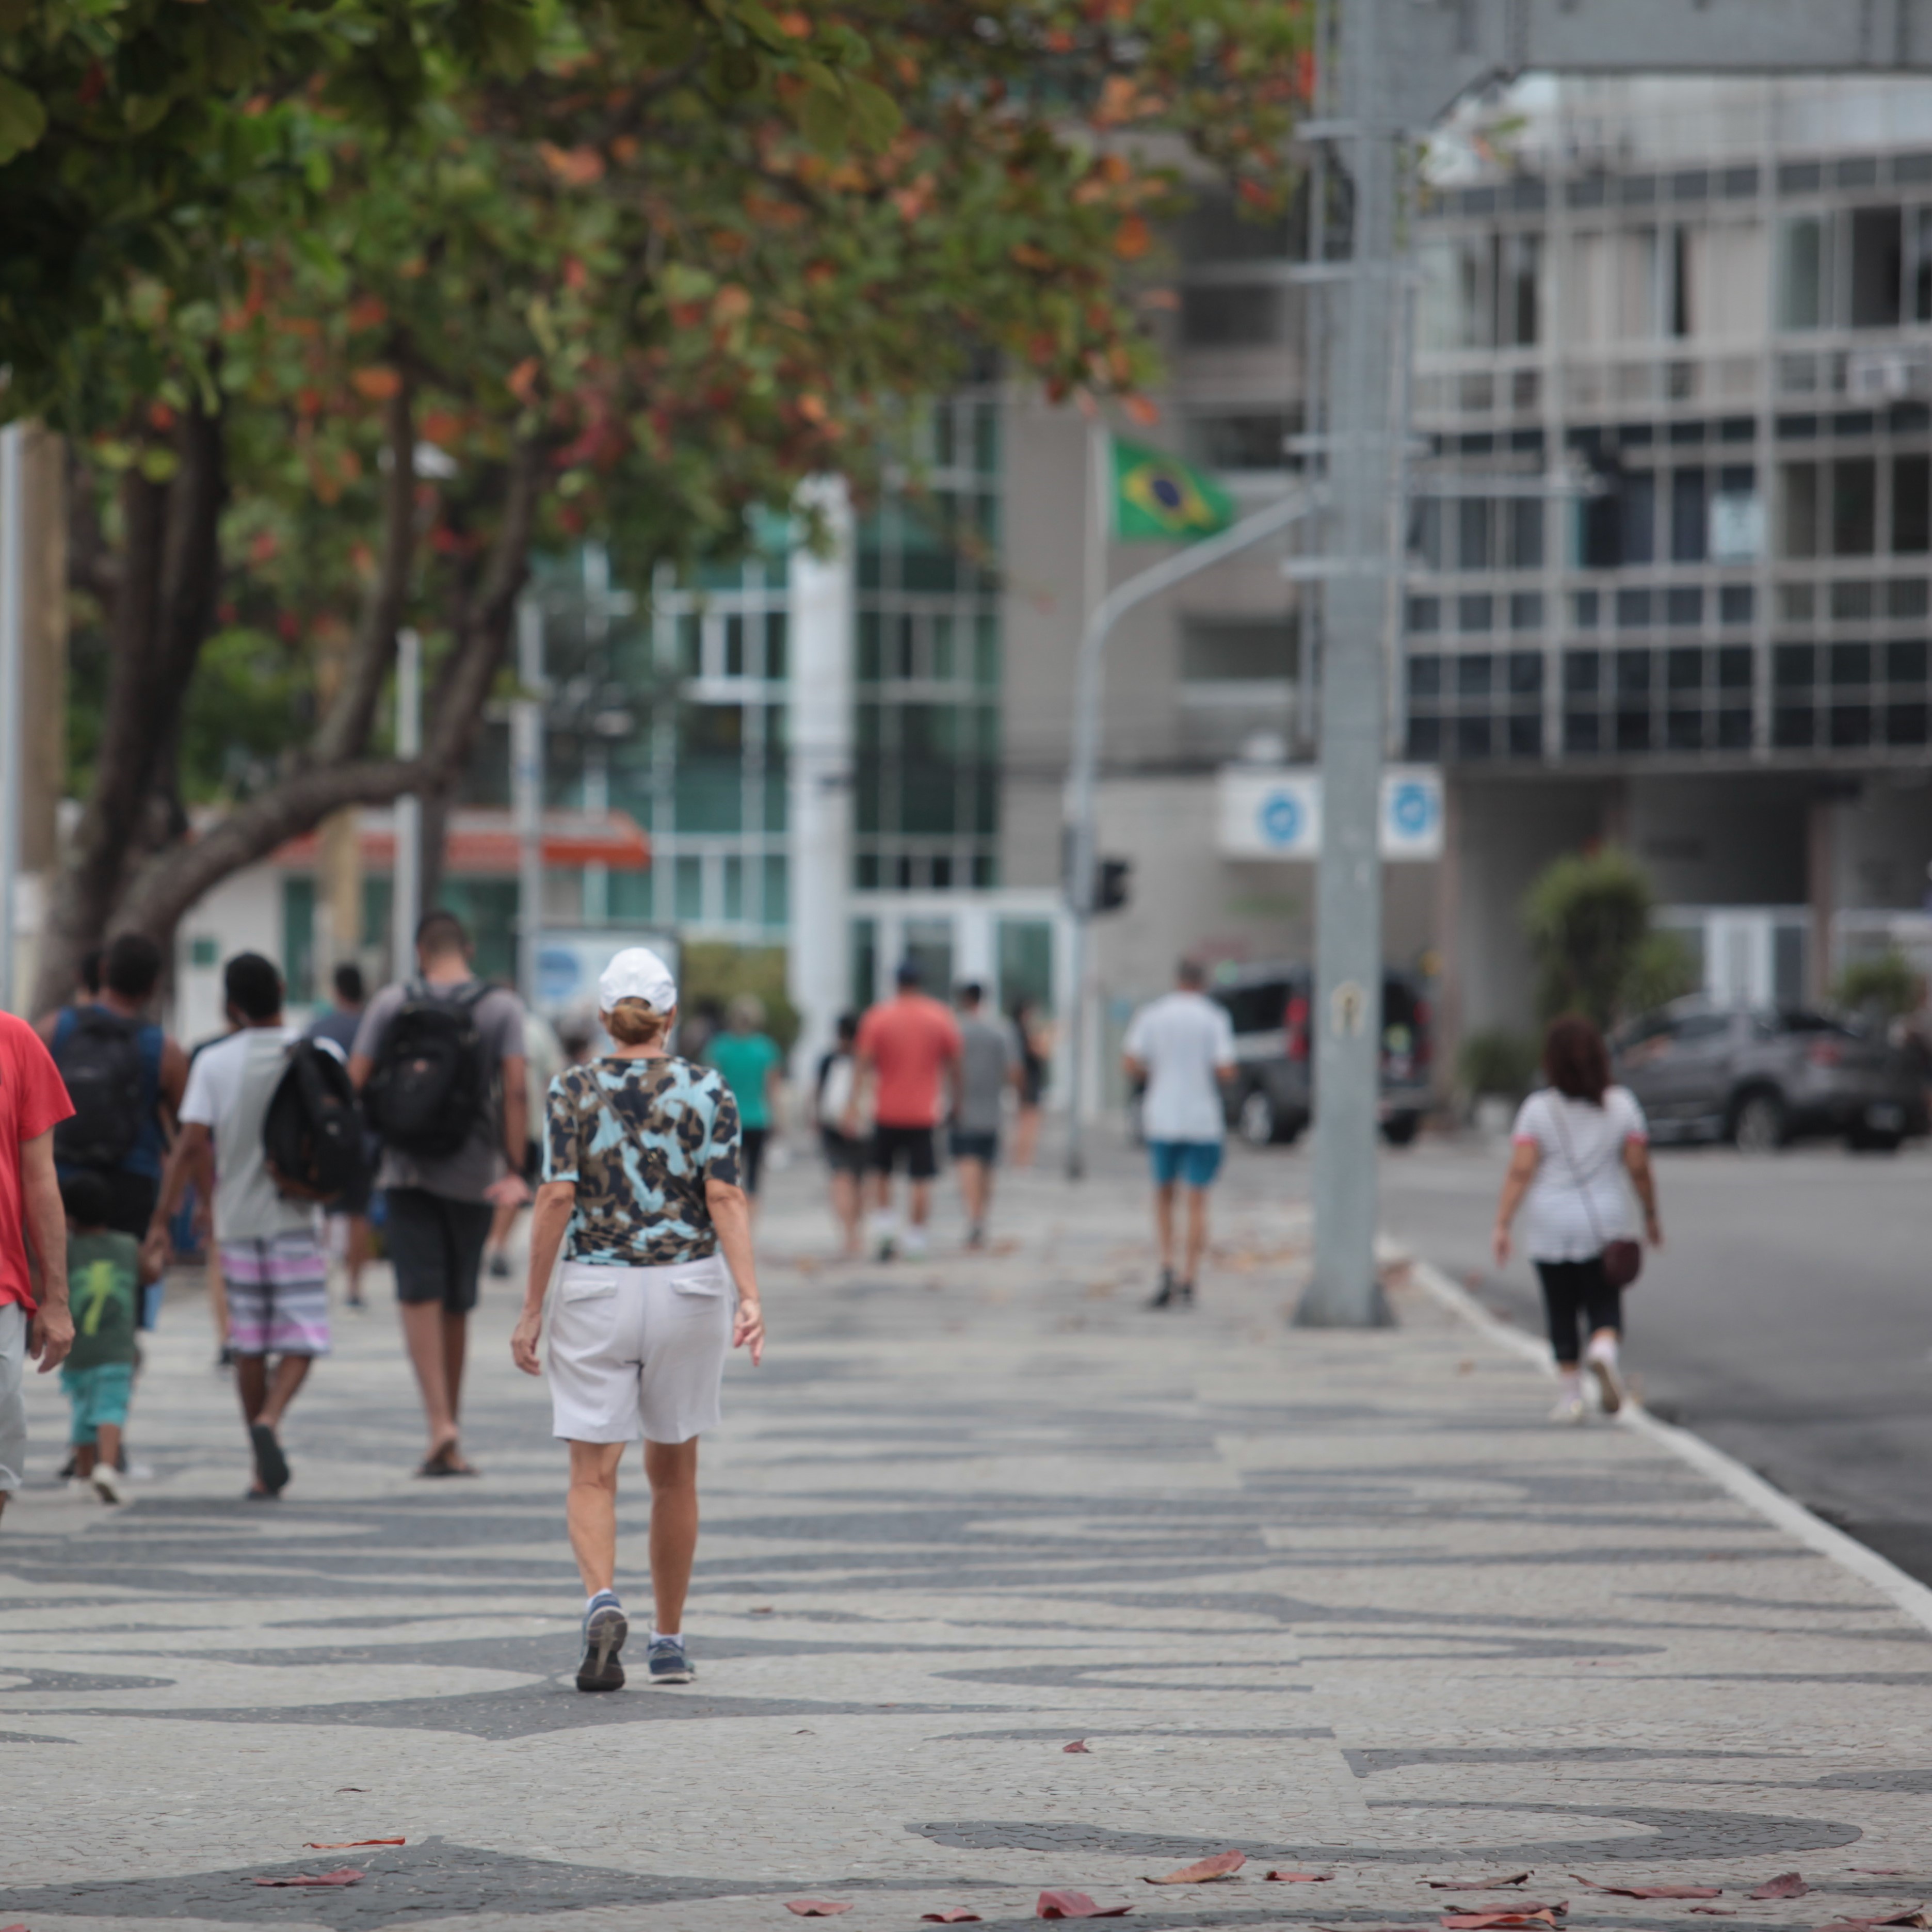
1758, 1125
1255, 1123
1398, 1130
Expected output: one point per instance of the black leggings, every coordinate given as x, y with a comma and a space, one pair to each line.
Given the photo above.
1571, 1288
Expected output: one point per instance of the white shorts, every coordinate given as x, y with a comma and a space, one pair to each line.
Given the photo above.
639, 1352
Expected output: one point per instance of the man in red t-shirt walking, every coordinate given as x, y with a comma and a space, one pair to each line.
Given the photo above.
904, 1045
33, 1322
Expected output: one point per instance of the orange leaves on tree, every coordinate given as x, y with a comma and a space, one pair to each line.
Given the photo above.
377, 383
796, 24
263, 547
1142, 413
1132, 239
811, 407
731, 303
522, 380
1120, 102
161, 416
625, 149
1029, 255
575, 167
441, 427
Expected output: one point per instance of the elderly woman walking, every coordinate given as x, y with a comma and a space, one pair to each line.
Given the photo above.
641, 1188
1577, 1142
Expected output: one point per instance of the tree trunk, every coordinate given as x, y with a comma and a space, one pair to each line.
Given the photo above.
170, 883
163, 608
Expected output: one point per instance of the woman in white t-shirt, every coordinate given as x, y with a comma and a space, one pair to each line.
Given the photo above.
1579, 1147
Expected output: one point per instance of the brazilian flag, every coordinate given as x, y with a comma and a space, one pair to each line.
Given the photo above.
1159, 499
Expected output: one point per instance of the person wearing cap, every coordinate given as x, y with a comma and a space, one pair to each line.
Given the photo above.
905, 1044
642, 1193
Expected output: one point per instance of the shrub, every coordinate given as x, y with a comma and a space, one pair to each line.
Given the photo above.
1498, 1060
1885, 984
716, 970
1587, 917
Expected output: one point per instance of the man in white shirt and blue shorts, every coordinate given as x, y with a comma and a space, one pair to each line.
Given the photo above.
1182, 1046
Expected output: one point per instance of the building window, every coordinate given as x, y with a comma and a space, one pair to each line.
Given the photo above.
1475, 705
1236, 316
1242, 439
1911, 505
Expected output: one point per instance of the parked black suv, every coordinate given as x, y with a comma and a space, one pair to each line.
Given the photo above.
1272, 1097
1763, 1077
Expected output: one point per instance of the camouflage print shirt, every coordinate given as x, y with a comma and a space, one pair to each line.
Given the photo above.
640, 1187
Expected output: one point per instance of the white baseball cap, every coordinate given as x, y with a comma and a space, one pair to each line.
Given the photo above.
637, 973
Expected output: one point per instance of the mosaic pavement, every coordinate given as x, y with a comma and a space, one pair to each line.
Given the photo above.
1346, 1603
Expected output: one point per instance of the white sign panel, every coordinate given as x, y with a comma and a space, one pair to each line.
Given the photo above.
1278, 814
1270, 815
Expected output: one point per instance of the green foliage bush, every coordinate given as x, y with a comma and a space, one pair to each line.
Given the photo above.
1587, 919
1886, 983
1497, 1060
715, 970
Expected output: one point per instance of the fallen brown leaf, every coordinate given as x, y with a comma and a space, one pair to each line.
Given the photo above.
1222, 1864
1786, 1885
1076, 1905
1913, 1914
341, 1788
1527, 1913
349, 1844
1712, 1912
817, 1908
1077, 1748
348, 1875
1652, 1891
1299, 1878
955, 1915
760, 1610
1476, 1884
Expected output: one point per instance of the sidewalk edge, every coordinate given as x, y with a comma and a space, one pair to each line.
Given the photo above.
1782, 1511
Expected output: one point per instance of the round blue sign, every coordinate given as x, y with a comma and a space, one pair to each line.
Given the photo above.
1411, 808
1281, 818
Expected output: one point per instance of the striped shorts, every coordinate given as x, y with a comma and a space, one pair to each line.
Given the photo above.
278, 1295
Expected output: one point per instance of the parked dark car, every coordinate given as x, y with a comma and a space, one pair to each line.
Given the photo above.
1271, 1097
1762, 1077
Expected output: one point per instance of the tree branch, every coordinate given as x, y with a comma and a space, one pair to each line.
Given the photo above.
344, 733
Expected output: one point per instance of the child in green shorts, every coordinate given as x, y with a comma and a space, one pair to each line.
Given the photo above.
103, 1272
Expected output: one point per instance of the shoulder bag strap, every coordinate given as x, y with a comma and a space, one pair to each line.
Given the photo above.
624, 1127
1583, 1182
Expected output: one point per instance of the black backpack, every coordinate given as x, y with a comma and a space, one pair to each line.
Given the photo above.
100, 1059
428, 1085
312, 1133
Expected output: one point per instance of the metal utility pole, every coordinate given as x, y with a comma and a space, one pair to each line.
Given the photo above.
1083, 853
12, 683
406, 892
526, 785
1401, 63
1362, 437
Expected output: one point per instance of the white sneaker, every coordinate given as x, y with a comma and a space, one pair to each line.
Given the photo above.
915, 1243
1609, 1383
1569, 1408
105, 1481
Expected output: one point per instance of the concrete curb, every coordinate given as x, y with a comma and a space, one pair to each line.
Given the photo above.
1906, 1593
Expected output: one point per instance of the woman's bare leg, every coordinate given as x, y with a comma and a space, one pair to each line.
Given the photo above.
672, 1469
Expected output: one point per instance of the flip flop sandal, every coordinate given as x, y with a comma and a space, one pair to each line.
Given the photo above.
272, 1464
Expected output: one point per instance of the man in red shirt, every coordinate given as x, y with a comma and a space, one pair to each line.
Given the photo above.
904, 1045
33, 1322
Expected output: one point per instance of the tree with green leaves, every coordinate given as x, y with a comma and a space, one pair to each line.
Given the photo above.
1587, 919
687, 257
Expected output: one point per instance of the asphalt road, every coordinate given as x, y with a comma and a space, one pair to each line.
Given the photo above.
1788, 1317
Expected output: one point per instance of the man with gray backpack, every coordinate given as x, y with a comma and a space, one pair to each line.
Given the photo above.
438, 1061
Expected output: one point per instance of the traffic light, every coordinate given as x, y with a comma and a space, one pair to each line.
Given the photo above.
1110, 884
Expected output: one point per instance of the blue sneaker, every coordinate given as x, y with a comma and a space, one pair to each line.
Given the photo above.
605, 1628
668, 1663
